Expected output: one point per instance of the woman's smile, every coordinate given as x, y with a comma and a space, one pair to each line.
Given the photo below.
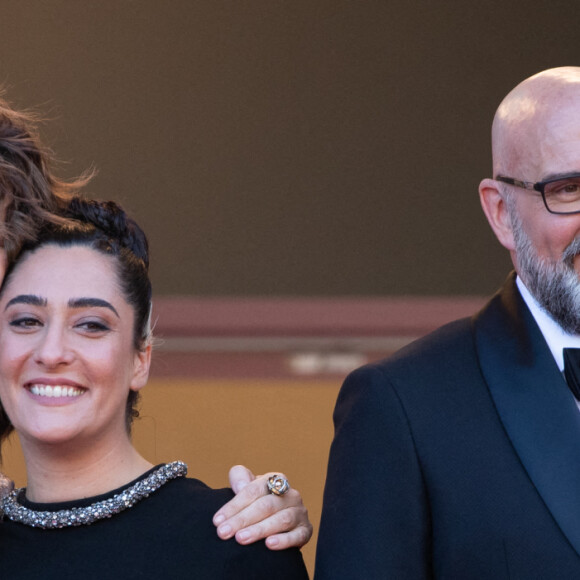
54, 391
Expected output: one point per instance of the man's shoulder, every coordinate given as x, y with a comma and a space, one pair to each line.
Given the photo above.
445, 358
454, 343
445, 344
440, 341
430, 368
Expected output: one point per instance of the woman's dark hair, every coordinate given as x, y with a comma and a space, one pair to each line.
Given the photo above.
106, 228
30, 193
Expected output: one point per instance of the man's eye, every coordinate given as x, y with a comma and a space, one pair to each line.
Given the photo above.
565, 188
571, 188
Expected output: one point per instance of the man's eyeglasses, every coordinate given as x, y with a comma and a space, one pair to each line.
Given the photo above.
561, 195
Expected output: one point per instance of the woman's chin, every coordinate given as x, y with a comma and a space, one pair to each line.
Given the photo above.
51, 434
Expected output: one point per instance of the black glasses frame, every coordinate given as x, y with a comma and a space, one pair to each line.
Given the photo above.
540, 187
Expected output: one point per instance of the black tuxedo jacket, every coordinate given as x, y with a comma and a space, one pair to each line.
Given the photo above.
458, 457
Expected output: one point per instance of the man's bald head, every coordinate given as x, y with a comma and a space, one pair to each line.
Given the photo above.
539, 110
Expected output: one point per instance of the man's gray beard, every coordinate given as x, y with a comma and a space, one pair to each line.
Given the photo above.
554, 284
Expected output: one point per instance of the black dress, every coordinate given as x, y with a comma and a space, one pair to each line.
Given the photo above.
166, 535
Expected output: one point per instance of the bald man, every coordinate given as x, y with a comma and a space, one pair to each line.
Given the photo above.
459, 457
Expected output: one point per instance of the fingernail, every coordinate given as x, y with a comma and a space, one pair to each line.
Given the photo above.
225, 531
243, 536
220, 518
272, 542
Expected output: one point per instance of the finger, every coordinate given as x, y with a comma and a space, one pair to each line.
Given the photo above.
250, 494
240, 476
293, 539
259, 511
279, 522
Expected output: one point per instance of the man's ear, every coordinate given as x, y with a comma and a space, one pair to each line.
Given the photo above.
141, 370
496, 211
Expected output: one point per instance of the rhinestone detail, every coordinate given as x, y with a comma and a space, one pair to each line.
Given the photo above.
97, 511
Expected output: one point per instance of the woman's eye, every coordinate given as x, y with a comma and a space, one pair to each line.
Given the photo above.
93, 326
25, 323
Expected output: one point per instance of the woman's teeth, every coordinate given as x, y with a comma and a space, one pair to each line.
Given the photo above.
55, 391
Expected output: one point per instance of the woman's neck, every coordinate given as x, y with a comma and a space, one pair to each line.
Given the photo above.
56, 475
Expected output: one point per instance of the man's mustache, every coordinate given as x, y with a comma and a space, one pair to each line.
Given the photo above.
571, 251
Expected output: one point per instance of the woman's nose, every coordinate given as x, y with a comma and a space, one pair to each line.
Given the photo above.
52, 349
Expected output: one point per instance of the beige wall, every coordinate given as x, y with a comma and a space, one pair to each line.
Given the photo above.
212, 425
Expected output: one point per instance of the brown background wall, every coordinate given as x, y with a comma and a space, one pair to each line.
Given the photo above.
324, 147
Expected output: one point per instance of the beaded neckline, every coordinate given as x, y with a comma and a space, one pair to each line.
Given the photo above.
47, 520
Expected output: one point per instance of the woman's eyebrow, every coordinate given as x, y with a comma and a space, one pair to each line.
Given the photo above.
33, 300
27, 299
91, 302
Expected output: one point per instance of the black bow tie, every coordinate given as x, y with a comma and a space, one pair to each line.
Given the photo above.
572, 370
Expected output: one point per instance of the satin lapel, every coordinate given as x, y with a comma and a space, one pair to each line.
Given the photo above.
534, 403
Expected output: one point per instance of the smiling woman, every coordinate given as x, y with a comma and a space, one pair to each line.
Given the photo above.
30, 196
75, 350
70, 309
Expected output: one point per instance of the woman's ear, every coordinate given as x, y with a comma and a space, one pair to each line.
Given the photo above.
141, 370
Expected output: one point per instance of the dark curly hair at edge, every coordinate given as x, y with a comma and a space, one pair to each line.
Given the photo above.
106, 228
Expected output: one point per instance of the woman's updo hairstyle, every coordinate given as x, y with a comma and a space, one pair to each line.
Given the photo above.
105, 227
